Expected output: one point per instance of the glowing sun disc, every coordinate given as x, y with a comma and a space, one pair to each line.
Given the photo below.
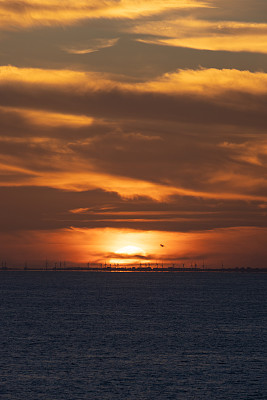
130, 250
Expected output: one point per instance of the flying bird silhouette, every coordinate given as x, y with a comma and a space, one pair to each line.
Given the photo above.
161, 245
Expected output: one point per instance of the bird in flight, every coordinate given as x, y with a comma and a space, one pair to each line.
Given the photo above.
161, 245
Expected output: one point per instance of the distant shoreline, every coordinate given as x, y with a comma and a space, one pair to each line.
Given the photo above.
133, 269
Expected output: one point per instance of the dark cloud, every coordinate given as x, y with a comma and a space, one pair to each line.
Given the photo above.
117, 256
32, 208
126, 104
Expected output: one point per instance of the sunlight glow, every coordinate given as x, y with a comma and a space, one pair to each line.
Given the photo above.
130, 250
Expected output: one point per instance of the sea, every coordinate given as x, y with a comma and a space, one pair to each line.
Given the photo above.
76, 335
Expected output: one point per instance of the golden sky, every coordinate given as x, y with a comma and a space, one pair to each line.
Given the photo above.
126, 124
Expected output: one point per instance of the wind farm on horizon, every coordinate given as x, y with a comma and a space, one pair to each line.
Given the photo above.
62, 266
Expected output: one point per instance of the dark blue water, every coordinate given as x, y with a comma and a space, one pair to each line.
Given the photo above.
77, 335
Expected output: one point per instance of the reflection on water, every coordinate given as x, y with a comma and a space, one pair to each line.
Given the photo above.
75, 335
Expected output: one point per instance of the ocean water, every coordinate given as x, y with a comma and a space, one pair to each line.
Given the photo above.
89, 335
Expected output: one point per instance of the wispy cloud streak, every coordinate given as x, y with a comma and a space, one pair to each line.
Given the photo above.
27, 13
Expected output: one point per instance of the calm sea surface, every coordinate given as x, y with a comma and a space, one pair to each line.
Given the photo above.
80, 335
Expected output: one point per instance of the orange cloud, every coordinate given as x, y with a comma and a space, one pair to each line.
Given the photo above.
95, 45
249, 43
179, 81
205, 35
27, 13
209, 82
50, 119
251, 152
79, 180
204, 81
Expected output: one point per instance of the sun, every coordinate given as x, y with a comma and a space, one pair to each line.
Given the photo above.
130, 250
128, 255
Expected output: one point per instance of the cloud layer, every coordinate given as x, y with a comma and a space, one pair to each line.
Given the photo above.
140, 117
25, 13
89, 120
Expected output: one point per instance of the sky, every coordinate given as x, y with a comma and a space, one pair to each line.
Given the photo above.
126, 124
